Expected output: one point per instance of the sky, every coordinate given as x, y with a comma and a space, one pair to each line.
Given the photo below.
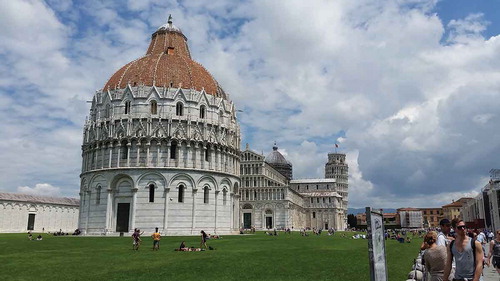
409, 89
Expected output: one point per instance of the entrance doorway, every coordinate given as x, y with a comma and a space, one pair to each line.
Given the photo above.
122, 217
326, 226
269, 222
247, 220
31, 221
269, 219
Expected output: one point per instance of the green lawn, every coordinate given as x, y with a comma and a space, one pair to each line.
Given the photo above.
244, 257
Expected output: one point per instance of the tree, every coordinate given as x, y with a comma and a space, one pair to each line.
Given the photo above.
351, 220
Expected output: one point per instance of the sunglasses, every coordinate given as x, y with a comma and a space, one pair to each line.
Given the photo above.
461, 227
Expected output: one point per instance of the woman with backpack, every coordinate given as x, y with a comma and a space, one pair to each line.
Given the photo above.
495, 252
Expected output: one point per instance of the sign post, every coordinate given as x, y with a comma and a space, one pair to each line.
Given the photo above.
376, 244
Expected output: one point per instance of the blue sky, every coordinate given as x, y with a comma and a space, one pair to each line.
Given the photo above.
456, 9
408, 88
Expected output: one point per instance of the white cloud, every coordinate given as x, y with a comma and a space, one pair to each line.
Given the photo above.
42, 189
416, 116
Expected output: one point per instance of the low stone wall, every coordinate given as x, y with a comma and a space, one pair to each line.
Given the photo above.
418, 272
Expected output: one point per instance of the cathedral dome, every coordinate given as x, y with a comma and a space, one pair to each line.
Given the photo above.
275, 157
167, 63
279, 163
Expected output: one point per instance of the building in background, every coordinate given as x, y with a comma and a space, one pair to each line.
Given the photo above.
484, 209
22, 212
431, 216
472, 212
269, 198
410, 218
337, 168
452, 211
391, 220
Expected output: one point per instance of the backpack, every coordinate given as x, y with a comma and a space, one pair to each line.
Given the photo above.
473, 246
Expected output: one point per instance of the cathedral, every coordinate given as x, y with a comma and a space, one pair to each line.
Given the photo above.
161, 148
270, 198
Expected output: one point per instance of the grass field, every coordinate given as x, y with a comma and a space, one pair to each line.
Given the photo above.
244, 257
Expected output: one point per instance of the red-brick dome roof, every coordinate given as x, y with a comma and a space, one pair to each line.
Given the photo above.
167, 63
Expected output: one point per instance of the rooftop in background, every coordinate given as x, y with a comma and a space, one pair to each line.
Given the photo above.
459, 203
19, 197
275, 157
495, 174
321, 194
312, 180
408, 209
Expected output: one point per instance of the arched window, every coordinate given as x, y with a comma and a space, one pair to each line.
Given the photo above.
202, 111
314, 215
127, 107
151, 193
173, 150
124, 150
221, 116
98, 195
207, 154
179, 108
180, 198
205, 194
154, 107
107, 112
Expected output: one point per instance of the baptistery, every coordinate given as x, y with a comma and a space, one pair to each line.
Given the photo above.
161, 147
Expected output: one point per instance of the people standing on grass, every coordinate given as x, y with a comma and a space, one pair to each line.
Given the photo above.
136, 239
204, 237
494, 252
434, 256
156, 240
468, 255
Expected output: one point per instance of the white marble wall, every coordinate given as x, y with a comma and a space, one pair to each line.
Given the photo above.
48, 217
172, 217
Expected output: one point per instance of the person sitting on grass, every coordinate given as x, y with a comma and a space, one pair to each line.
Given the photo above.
30, 237
39, 237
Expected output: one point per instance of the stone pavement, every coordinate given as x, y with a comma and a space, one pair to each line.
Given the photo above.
489, 273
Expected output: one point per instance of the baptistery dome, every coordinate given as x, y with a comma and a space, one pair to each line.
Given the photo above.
167, 62
161, 147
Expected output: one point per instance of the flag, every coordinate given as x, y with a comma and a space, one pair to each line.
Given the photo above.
336, 145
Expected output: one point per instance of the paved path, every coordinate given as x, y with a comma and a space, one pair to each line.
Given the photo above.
489, 273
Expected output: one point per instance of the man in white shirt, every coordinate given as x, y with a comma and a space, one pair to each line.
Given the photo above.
443, 239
